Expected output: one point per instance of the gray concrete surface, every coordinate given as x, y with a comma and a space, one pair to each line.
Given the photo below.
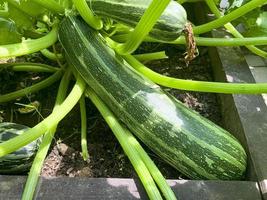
64, 188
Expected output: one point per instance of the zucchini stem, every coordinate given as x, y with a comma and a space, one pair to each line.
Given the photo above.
29, 46
156, 174
229, 17
51, 55
129, 150
145, 57
85, 153
37, 164
188, 1
87, 14
143, 27
205, 41
30, 67
31, 89
200, 86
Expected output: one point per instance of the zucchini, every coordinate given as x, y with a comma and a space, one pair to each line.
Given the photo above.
192, 144
19, 161
129, 12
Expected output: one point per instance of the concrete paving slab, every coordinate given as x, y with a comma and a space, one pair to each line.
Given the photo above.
254, 60
65, 188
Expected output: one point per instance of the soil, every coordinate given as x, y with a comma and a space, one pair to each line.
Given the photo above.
106, 156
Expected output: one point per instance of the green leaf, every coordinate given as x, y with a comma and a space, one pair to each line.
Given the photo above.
31, 8
262, 20
8, 32
254, 23
21, 19
236, 3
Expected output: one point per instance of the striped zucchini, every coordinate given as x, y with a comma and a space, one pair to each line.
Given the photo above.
192, 144
19, 161
128, 12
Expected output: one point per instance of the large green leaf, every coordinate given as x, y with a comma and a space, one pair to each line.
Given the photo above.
8, 32
3, 9
30, 8
21, 19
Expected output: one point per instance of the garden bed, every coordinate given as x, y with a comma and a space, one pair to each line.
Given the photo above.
106, 156
108, 174
108, 160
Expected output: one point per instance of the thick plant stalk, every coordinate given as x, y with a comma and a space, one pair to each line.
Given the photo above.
127, 137
205, 41
200, 86
143, 27
29, 46
35, 171
30, 67
156, 174
87, 14
50, 55
129, 150
85, 153
145, 57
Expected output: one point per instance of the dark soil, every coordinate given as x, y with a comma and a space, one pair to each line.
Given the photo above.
106, 156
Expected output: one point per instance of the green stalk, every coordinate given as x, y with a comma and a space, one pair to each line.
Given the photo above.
233, 31
143, 27
51, 5
229, 17
83, 129
201, 86
52, 120
87, 14
31, 89
129, 150
156, 174
151, 56
36, 167
205, 41
50, 55
29, 46
30, 67
37, 164
188, 1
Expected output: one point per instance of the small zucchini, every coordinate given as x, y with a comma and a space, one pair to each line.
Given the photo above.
129, 12
19, 161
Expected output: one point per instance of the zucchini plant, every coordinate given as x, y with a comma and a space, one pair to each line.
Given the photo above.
120, 86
